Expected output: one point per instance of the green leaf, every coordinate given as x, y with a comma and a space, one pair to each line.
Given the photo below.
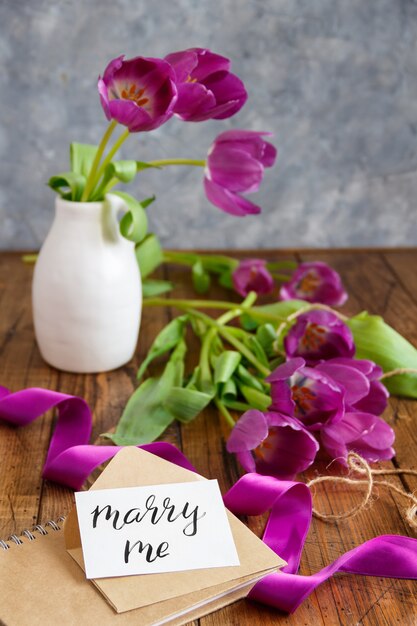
69, 185
377, 341
134, 223
145, 416
266, 335
248, 379
166, 340
149, 254
256, 347
200, 278
125, 171
82, 156
228, 391
153, 287
225, 280
256, 399
204, 384
157, 402
116, 171
226, 364
185, 404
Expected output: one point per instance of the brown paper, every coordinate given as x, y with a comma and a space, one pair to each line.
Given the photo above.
158, 593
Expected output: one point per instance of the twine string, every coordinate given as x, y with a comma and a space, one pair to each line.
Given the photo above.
399, 370
358, 465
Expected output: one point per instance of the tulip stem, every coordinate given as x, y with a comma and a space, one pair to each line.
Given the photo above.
185, 305
100, 150
228, 336
109, 157
208, 260
224, 412
165, 162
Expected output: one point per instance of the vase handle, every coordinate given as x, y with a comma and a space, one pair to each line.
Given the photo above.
113, 210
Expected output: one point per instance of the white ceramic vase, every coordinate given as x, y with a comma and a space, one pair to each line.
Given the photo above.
87, 292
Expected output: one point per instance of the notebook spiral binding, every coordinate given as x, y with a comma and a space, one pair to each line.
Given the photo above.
29, 534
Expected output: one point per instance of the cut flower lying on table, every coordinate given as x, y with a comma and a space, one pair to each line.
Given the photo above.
303, 377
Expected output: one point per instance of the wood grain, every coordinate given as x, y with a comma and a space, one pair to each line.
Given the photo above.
381, 281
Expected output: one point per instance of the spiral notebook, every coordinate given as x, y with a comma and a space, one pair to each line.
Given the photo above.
42, 581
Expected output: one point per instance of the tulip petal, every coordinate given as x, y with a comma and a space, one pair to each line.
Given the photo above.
286, 370
251, 142
208, 64
130, 115
234, 169
228, 201
227, 88
355, 383
269, 155
112, 67
246, 460
376, 401
194, 101
364, 433
102, 90
249, 431
183, 63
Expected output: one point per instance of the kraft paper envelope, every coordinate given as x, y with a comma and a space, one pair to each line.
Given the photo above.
170, 596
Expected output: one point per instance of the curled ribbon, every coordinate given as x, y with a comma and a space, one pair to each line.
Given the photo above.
70, 460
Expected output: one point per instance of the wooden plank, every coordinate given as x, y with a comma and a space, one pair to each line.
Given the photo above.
403, 264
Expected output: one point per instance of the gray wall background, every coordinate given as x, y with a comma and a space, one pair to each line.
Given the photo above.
334, 80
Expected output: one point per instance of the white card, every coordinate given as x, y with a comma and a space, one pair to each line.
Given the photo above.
161, 528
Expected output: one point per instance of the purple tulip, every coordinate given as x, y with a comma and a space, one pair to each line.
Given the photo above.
272, 444
252, 275
315, 282
311, 396
364, 391
364, 433
235, 164
318, 335
206, 87
139, 93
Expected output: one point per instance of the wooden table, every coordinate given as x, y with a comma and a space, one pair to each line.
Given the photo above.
381, 281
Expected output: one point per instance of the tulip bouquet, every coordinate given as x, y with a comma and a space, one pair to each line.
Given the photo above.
141, 94
293, 377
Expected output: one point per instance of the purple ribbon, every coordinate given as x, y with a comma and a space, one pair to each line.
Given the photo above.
70, 460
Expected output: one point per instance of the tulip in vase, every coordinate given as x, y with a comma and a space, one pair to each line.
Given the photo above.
87, 285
